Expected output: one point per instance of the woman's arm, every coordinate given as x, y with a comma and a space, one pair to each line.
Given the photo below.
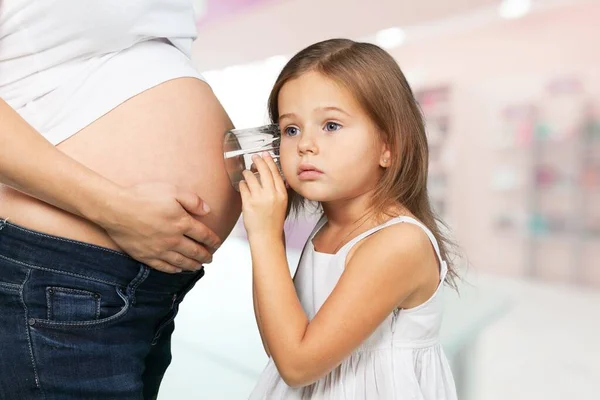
153, 222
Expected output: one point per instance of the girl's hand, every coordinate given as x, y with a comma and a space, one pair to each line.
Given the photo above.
264, 202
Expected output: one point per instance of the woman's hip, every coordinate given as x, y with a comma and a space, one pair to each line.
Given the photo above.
79, 321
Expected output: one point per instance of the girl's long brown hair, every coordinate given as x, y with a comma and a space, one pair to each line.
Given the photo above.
378, 84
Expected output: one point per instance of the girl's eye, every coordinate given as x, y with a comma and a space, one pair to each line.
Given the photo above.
291, 131
332, 127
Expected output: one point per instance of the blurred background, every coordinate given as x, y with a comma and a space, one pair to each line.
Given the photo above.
511, 94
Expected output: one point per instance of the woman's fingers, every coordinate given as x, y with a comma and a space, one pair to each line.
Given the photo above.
163, 267
191, 249
180, 261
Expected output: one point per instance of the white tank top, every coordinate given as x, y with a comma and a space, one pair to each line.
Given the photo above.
402, 359
65, 63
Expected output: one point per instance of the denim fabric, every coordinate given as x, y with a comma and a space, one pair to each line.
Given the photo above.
79, 321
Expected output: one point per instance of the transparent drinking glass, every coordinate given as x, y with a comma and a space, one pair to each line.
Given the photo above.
239, 145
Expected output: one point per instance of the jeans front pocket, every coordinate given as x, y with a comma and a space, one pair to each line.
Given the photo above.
62, 301
66, 304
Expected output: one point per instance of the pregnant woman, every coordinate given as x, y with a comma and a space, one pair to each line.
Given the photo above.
113, 193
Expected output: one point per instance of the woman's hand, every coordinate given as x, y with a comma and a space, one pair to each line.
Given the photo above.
264, 202
155, 223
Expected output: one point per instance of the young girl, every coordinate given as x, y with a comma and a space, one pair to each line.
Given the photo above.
361, 318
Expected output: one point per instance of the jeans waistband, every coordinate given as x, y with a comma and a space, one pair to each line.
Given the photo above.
42, 251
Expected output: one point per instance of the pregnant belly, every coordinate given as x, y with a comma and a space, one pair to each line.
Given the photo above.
170, 133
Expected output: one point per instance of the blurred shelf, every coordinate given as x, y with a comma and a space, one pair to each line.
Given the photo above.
554, 143
435, 103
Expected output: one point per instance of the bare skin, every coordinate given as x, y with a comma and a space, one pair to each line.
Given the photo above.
171, 133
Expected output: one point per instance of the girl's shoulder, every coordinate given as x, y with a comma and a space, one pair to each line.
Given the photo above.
400, 236
400, 252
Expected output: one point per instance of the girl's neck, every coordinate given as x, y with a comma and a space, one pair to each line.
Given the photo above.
343, 213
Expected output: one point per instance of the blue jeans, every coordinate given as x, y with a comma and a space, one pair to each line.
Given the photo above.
79, 321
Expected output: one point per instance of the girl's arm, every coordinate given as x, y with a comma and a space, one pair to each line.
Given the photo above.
258, 320
149, 222
257, 313
373, 284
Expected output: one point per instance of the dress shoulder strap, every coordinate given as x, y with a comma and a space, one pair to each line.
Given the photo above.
346, 248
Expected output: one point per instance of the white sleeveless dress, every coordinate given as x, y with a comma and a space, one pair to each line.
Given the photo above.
402, 359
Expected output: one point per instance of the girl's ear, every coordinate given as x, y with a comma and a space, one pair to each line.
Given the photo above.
386, 157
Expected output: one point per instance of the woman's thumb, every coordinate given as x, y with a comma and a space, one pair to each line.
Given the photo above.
192, 203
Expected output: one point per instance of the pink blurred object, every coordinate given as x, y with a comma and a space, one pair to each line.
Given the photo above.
219, 9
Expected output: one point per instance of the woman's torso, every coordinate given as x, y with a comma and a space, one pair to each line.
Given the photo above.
127, 62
